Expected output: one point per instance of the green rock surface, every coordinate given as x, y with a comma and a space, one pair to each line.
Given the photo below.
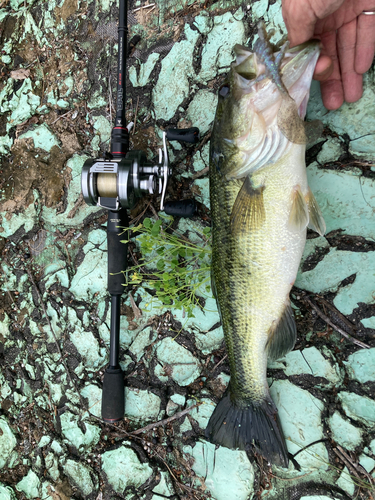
123, 469
203, 412
42, 137
344, 433
201, 110
309, 361
30, 485
173, 86
300, 415
346, 482
80, 476
336, 266
359, 408
164, 487
361, 365
74, 436
344, 197
227, 473
57, 105
184, 368
6, 493
354, 119
141, 405
367, 462
8, 442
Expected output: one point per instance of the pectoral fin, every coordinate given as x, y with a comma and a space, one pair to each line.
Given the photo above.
282, 335
293, 127
299, 215
248, 210
316, 221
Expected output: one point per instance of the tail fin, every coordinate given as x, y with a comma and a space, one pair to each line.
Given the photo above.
248, 425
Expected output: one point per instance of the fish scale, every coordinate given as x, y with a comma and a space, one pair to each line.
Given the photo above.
260, 207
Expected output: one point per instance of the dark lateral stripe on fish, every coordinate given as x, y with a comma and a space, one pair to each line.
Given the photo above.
249, 426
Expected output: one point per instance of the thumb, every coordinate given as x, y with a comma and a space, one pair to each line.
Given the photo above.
300, 21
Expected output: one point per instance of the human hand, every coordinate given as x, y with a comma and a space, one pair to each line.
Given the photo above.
348, 38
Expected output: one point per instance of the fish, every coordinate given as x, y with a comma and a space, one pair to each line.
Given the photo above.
261, 206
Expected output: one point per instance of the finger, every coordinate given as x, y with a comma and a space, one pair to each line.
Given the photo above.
364, 53
323, 68
331, 88
346, 47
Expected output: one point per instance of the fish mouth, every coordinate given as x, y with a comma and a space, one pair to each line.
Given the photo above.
296, 70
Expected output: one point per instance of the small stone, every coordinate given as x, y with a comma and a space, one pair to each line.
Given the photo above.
30, 485
171, 408
346, 483
141, 405
367, 462
164, 487
359, 408
178, 399
123, 469
44, 441
228, 473
344, 433
80, 476
7, 442
184, 367
75, 436
6, 493
361, 365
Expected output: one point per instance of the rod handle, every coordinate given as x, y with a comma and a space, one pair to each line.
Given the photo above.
113, 398
117, 251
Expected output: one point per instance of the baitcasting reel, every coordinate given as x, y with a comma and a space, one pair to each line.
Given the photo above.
118, 183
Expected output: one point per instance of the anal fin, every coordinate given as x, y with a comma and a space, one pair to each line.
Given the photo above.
282, 336
299, 214
316, 221
248, 210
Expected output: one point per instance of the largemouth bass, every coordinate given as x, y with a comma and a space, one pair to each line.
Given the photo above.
261, 206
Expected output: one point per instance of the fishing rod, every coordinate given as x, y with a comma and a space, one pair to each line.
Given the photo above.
116, 182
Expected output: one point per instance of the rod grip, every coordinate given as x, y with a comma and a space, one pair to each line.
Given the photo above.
181, 208
113, 399
117, 251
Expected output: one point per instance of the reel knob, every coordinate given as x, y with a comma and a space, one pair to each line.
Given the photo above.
182, 208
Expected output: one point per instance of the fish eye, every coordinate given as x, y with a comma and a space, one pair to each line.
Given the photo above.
224, 90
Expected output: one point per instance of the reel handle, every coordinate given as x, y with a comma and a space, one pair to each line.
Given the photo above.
183, 134
180, 208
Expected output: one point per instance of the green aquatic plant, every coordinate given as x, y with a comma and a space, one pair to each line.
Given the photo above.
172, 265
